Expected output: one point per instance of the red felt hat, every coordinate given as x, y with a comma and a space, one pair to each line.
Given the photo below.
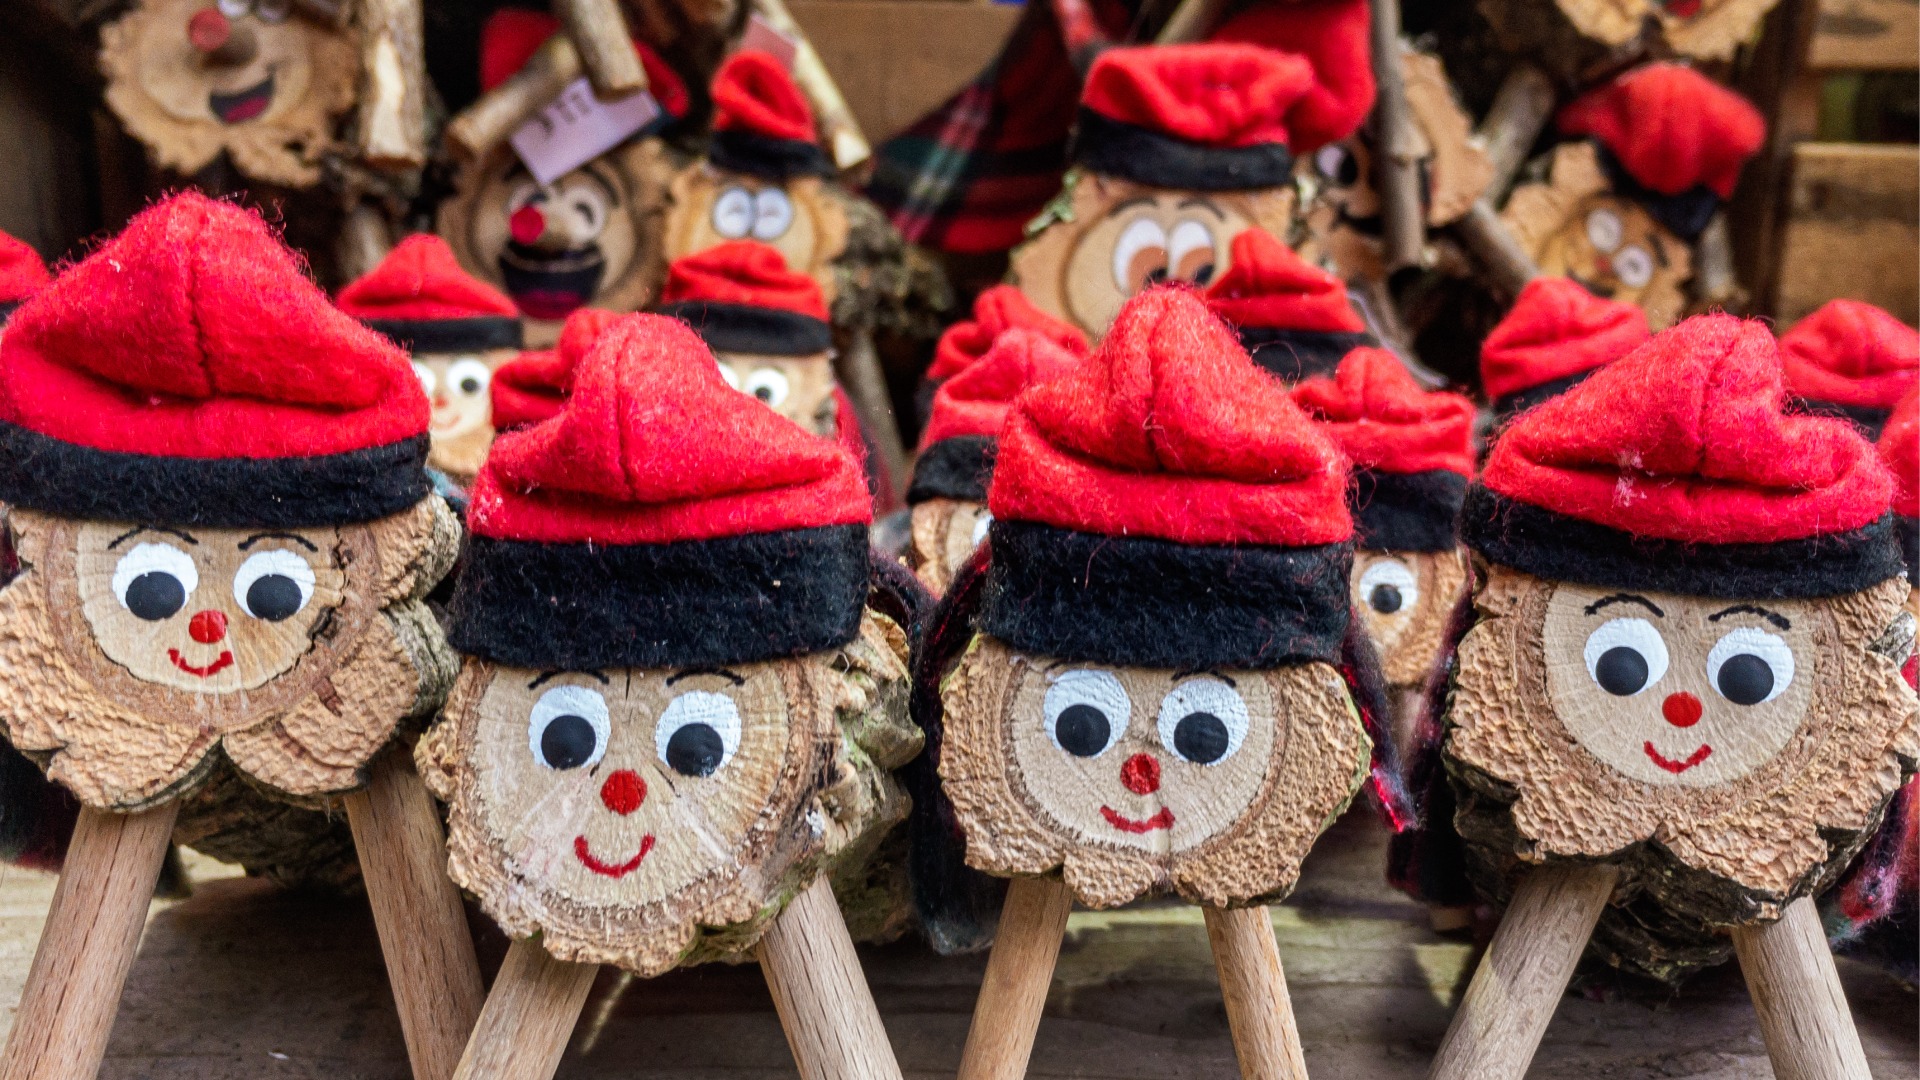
189, 372
1556, 334
421, 297
1332, 36
762, 124
742, 297
995, 311
1852, 359
976, 401
1210, 117
1293, 317
1678, 468
1671, 128
22, 273
511, 36
533, 386
1900, 449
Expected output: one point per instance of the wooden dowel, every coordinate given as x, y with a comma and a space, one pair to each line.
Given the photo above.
1508, 264
88, 944
600, 35
1006, 1017
845, 143
1796, 990
524, 1027
499, 112
1714, 281
1191, 21
1515, 990
1259, 1012
1397, 146
866, 383
416, 908
364, 241
393, 97
821, 994
1520, 109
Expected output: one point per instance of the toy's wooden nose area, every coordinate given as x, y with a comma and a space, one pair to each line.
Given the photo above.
207, 627
1681, 709
1141, 774
623, 792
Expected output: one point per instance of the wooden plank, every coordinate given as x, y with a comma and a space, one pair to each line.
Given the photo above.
1866, 35
1852, 229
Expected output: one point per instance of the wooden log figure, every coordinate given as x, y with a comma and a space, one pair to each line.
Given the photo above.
217, 497
1661, 148
1680, 713
1554, 337
677, 712
1293, 318
1140, 696
1702, 29
1852, 360
262, 80
457, 328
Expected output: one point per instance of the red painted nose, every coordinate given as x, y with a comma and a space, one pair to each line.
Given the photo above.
207, 627
1141, 774
526, 224
623, 792
208, 29
1681, 710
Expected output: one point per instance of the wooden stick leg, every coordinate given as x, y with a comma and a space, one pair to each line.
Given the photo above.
92, 932
821, 994
528, 1018
423, 931
1519, 982
1796, 990
1007, 1015
1259, 1012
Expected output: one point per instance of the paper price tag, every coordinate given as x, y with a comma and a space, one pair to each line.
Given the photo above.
765, 37
579, 127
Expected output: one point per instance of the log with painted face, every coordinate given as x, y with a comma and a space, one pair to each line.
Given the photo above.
1294, 319
1851, 359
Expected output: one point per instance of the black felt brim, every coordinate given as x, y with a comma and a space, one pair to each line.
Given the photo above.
450, 335
732, 600
1407, 511
956, 468
1506, 406
740, 328
1561, 548
1115, 148
1142, 602
57, 477
1293, 355
1870, 420
1685, 215
768, 158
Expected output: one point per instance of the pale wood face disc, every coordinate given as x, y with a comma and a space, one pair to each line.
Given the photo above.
461, 427
799, 388
1404, 599
711, 206
943, 535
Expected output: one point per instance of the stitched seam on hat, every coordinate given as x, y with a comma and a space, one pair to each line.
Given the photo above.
620, 390
199, 324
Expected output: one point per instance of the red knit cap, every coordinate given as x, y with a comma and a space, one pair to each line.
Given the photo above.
746, 273
22, 271
1383, 421
654, 447
995, 311
1556, 330
1851, 353
533, 386
1900, 449
1267, 285
1168, 430
1332, 36
512, 35
1671, 128
753, 93
420, 279
1227, 96
976, 401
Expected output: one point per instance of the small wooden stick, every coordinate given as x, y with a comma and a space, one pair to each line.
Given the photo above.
845, 142
91, 935
1519, 111
524, 1027
1519, 982
393, 98
867, 385
605, 45
1714, 281
1507, 263
364, 240
825, 1005
1259, 1012
499, 112
416, 908
1796, 990
1019, 969
1191, 21
1397, 146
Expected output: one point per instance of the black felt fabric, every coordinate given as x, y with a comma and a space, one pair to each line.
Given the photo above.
1870, 420
450, 335
768, 158
1293, 355
1909, 531
8, 307
1561, 548
36, 814
1109, 146
1143, 602
43, 473
1685, 215
956, 468
1427, 860
1406, 511
1506, 406
743, 329
733, 600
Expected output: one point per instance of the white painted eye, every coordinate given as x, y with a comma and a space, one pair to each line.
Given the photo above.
1633, 265
1203, 721
1086, 710
772, 214
1140, 255
468, 378
425, 375
568, 728
1190, 252
154, 580
588, 205
273, 11
273, 584
728, 374
698, 733
733, 213
768, 384
1329, 160
1389, 586
233, 9
1749, 666
1625, 656
1603, 230
980, 526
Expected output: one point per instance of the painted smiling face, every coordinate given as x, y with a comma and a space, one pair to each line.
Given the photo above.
803, 218
799, 388
1405, 599
461, 426
943, 534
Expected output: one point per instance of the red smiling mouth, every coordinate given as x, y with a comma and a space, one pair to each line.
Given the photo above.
225, 661
1161, 820
244, 105
1678, 767
612, 870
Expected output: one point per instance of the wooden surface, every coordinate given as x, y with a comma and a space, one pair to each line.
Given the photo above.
599, 33
1852, 229
244, 982
895, 60
1803, 1010
821, 992
1866, 35
530, 1015
1254, 987
1013, 990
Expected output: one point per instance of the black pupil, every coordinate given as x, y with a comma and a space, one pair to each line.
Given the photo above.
469, 385
1083, 730
695, 750
1621, 671
155, 595
1746, 679
1203, 275
765, 393
1157, 276
273, 597
1384, 599
1200, 737
568, 742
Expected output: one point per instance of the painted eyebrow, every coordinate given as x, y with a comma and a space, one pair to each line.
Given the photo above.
545, 675
256, 537
1625, 598
688, 673
1204, 205
1144, 200
1773, 617
1209, 673
1659, 248
130, 533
